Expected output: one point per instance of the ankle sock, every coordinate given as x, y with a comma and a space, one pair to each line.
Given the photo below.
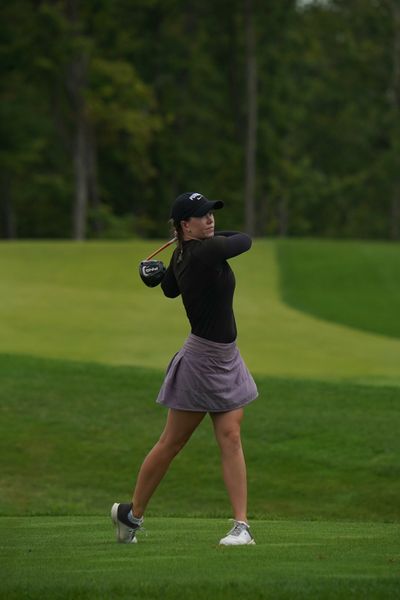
134, 520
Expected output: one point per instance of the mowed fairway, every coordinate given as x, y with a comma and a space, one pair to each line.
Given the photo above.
86, 302
75, 557
83, 348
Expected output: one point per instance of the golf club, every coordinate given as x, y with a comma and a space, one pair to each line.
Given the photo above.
162, 248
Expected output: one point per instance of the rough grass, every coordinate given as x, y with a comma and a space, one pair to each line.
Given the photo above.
75, 434
353, 283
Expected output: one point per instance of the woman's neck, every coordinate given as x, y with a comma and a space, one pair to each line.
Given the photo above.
187, 238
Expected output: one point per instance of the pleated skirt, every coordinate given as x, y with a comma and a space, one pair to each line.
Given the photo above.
207, 376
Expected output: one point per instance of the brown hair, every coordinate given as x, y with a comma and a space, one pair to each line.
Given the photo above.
176, 229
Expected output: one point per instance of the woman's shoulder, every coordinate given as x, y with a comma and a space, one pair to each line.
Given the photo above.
222, 247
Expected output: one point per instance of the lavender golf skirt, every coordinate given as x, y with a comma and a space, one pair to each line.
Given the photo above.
207, 376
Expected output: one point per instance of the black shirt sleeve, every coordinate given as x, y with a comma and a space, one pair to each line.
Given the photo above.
169, 284
226, 233
222, 247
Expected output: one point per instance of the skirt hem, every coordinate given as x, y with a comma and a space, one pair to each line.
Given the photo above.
207, 410
207, 377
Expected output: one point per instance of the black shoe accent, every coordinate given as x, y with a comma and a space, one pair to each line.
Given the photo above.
122, 514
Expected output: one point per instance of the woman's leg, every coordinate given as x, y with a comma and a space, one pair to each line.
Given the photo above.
227, 433
179, 427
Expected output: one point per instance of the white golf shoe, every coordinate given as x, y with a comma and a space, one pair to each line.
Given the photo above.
239, 535
125, 529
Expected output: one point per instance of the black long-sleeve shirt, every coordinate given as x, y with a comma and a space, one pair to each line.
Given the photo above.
207, 283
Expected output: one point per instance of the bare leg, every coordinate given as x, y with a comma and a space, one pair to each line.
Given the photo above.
179, 427
227, 433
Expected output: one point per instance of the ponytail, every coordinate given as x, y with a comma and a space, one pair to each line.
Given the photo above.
176, 229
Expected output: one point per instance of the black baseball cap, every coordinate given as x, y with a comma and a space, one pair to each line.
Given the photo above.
193, 204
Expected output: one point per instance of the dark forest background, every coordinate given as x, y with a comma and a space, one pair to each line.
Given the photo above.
288, 111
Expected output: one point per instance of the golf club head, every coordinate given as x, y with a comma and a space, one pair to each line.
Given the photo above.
151, 272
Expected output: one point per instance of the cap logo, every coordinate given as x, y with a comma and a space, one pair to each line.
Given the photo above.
195, 196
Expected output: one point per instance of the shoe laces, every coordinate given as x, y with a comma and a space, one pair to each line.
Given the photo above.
138, 529
237, 528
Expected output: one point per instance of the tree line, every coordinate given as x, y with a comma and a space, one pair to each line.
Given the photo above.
288, 111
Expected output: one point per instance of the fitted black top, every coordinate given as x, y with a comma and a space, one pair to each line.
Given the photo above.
207, 283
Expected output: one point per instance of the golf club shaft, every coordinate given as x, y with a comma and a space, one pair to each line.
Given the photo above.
162, 248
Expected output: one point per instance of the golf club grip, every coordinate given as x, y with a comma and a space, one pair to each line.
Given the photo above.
162, 248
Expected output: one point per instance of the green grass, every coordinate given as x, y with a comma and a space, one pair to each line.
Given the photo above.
86, 302
83, 346
353, 283
74, 436
76, 557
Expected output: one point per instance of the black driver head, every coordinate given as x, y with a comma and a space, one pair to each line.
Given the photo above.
151, 272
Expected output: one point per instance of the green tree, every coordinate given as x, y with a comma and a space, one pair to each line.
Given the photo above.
30, 170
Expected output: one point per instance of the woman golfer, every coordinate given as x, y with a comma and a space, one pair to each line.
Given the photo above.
208, 374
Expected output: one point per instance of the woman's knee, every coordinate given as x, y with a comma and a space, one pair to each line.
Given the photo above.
171, 445
229, 439
178, 430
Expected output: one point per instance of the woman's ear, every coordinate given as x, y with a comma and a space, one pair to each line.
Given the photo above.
185, 226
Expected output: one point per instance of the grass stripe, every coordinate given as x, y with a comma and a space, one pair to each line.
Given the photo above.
76, 557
